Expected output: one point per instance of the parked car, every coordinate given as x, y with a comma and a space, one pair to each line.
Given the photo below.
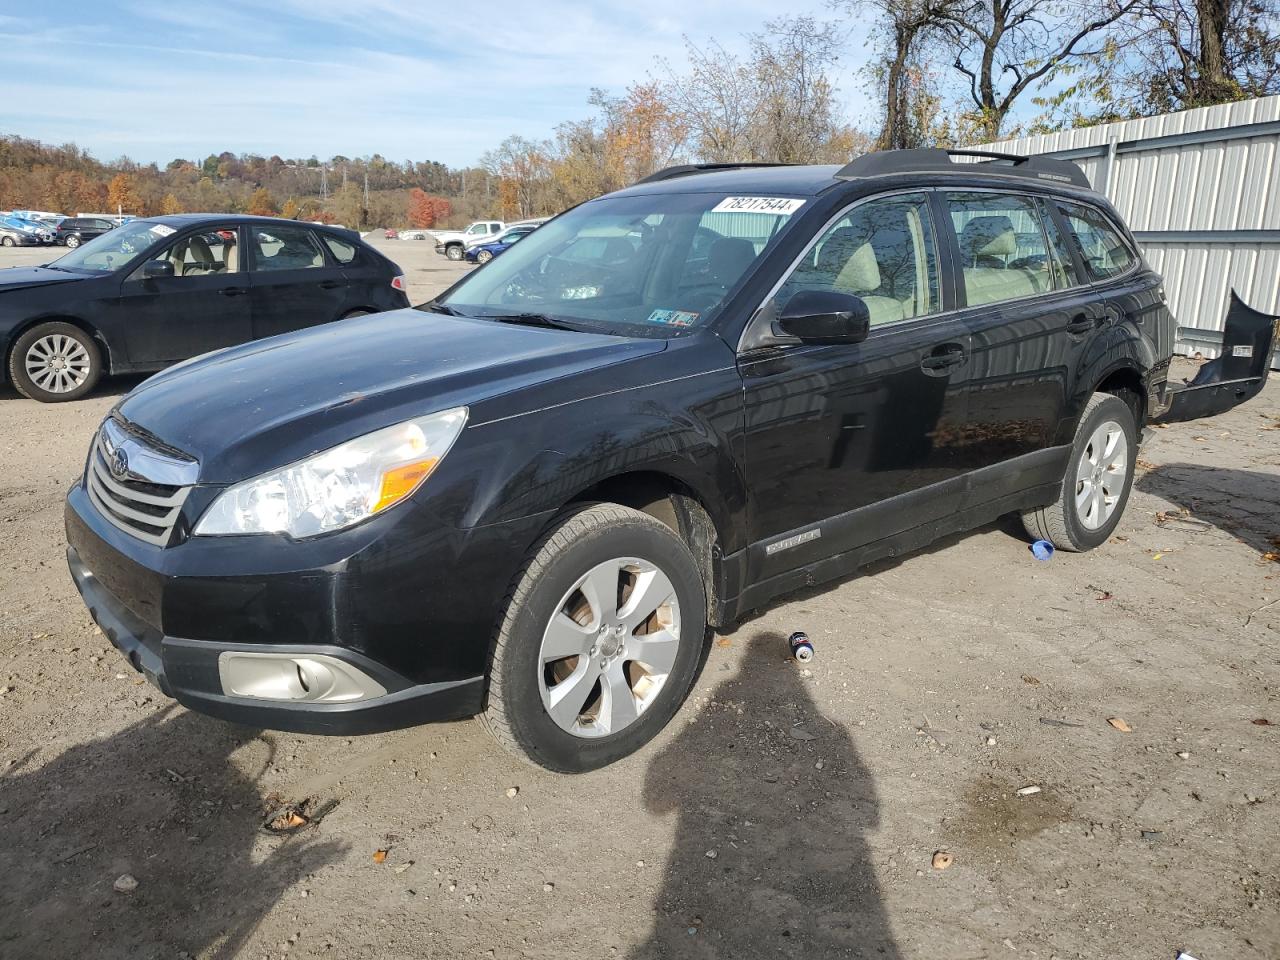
484, 252
15, 232
74, 231
156, 291
391, 234
663, 409
452, 243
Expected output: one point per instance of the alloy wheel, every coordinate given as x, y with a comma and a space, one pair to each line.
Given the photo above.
609, 647
1101, 474
57, 363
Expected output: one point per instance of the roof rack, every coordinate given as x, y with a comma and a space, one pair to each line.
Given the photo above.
686, 169
936, 159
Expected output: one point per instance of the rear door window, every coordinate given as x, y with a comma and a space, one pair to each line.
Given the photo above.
1104, 251
1003, 255
285, 248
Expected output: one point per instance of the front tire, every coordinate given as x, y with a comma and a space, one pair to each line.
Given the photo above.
55, 362
602, 638
1099, 477
453, 252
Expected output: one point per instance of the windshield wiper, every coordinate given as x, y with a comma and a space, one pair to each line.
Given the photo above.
436, 307
530, 320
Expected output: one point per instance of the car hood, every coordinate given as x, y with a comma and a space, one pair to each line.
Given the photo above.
18, 278
250, 409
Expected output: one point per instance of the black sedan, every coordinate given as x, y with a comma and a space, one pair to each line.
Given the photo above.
153, 292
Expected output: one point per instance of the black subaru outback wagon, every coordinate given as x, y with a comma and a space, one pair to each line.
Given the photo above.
529, 498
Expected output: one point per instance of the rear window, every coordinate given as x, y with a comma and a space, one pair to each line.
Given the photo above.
342, 251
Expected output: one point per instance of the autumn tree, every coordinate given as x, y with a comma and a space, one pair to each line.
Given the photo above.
122, 195
170, 205
290, 209
262, 204
522, 168
422, 211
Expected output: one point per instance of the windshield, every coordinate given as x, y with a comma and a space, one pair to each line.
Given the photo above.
650, 265
114, 248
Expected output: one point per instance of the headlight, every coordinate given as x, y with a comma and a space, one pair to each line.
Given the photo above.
339, 487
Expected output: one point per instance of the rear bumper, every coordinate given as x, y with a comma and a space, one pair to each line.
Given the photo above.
188, 671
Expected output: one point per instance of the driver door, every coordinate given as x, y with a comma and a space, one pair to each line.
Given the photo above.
203, 306
847, 444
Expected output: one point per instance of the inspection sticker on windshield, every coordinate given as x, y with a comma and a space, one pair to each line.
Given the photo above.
778, 206
160, 230
673, 318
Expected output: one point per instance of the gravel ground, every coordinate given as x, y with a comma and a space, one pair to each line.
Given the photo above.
787, 812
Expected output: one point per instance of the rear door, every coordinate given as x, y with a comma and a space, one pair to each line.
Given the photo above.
294, 281
204, 306
1030, 318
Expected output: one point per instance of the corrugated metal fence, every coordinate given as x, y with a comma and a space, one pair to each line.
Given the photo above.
1200, 190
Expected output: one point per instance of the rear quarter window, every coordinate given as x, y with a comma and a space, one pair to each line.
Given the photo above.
1104, 250
342, 251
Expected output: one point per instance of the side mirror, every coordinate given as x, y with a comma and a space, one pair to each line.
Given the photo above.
155, 269
825, 316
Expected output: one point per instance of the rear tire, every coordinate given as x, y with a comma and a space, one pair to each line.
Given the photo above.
7, 241
483, 257
1095, 488
577, 621
54, 363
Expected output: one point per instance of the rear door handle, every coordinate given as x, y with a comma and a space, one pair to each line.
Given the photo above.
233, 291
1082, 323
942, 358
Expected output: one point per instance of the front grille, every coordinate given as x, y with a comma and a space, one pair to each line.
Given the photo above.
141, 508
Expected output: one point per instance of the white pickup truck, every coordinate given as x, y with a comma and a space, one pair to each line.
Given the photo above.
453, 242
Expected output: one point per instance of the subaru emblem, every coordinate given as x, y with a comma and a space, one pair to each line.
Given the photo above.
119, 464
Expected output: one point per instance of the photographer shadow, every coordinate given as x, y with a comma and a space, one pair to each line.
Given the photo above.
206, 870
774, 805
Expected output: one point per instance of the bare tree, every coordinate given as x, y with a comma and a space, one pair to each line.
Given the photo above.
1005, 46
796, 114
717, 96
904, 29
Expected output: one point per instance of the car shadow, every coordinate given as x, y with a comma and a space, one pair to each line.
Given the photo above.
193, 838
773, 807
1244, 503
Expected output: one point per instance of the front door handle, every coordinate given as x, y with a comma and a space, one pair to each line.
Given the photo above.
331, 284
233, 291
942, 358
1082, 323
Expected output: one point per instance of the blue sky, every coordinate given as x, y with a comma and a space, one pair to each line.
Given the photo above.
423, 80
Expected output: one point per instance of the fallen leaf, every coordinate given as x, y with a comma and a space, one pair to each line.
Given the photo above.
942, 860
1157, 556
1261, 722
724, 642
1105, 595
1034, 681
1199, 439
1119, 724
1272, 556
379, 856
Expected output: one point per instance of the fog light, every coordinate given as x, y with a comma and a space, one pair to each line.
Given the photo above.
314, 678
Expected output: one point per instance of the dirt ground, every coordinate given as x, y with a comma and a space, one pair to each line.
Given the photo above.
787, 812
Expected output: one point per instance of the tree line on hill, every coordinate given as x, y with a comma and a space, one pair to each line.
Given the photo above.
942, 73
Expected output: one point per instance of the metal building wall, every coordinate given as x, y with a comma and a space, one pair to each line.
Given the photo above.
1200, 190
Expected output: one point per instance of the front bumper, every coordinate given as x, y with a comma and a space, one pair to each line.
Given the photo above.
188, 671
404, 599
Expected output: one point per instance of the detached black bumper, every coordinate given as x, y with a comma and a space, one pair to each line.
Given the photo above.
187, 670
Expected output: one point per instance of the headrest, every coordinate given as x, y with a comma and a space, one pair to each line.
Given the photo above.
991, 236
861, 272
729, 256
